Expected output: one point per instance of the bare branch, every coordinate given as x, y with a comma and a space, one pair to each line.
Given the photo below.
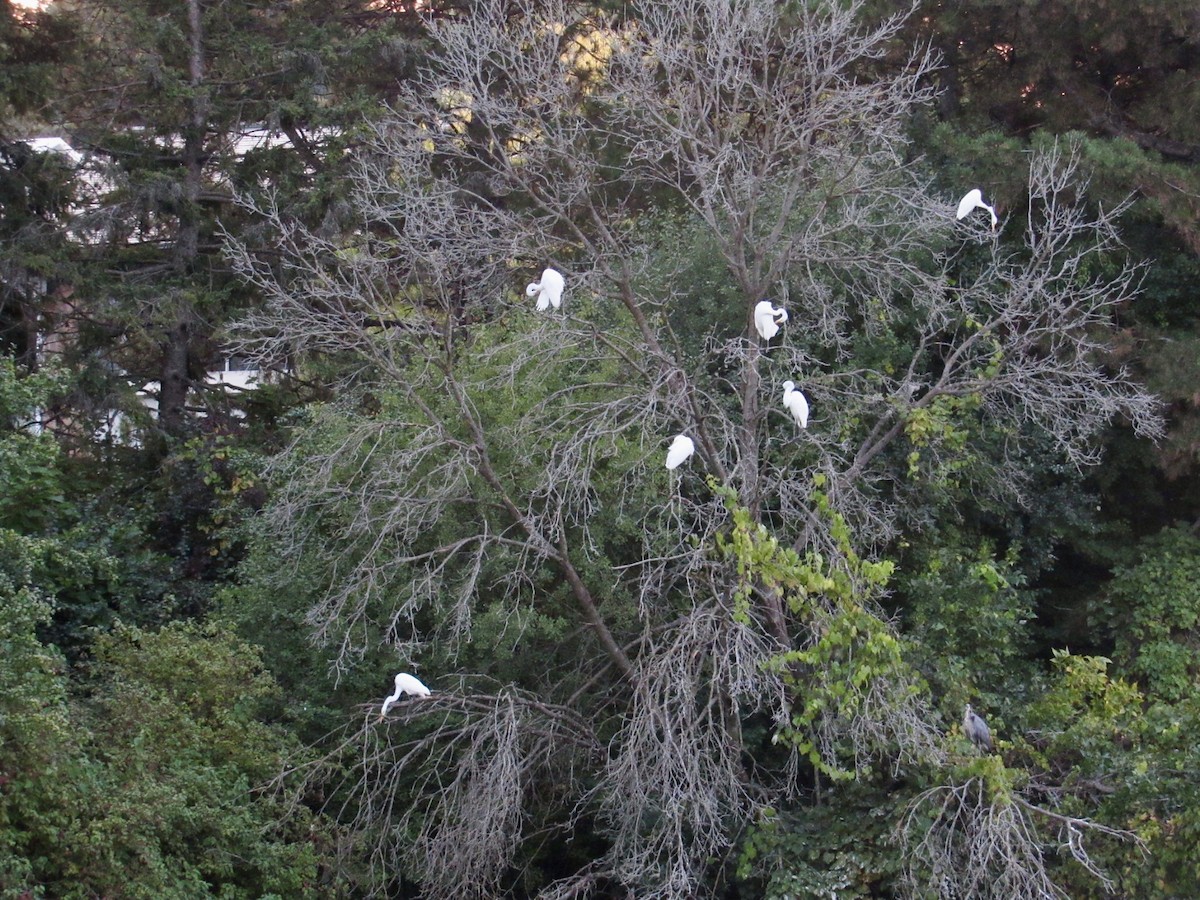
482, 456
987, 843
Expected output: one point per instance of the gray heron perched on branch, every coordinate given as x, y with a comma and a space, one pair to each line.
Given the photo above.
976, 729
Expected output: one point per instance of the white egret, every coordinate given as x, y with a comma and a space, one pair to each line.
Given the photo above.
681, 448
548, 291
972, 201
976, 729
768, 318
405, 684
796, 403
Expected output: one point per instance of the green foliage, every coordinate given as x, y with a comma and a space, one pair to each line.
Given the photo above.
1152, 610
36, 44
1130, 757
96, 555
151, 786
839, 849
1085, 716
1160, 800
80, 575
967, 619
206, 486
186, 703
34, 496
146, 788
691, 279
1172, 364
849, 653
39, 759
45, 548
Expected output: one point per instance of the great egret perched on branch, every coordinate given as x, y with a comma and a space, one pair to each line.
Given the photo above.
796, 403
976, 729
549, 290
681, 448
768, 318
972, 201
405, 684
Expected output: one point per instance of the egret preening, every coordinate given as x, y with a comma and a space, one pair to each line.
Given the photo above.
796, 403
405, 684
976, 729
972, 201
768, 318
681, 448
548, 291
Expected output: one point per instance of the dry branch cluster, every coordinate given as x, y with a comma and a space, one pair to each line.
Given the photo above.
987, 844
549, 134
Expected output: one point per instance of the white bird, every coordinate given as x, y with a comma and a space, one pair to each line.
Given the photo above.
768, 318
976, 729
405, 684
681, 448
549, 290
796, 403
972, 201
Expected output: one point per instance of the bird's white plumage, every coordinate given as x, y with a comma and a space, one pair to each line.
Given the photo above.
972, 201
796, 403
405, 684
549, 290
768, 318
681, 448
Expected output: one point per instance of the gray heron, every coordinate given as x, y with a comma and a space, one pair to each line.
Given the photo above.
976, 729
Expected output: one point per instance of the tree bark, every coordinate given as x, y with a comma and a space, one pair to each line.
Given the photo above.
174, 380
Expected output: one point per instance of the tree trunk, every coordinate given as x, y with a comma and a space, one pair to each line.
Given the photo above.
175, 379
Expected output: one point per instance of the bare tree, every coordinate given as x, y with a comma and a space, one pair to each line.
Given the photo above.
771, 141
985, 842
